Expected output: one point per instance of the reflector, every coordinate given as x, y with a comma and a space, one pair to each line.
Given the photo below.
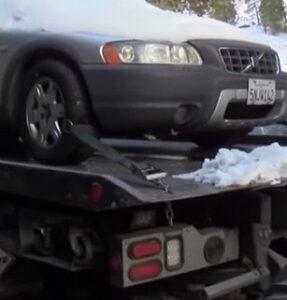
96, 193
115, 264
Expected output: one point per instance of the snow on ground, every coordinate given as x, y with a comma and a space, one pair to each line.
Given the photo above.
267, 164
122, 18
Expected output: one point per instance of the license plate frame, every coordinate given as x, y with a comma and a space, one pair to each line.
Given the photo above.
261, 92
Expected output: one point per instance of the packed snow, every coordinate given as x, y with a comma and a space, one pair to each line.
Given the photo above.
121, 18
266, 164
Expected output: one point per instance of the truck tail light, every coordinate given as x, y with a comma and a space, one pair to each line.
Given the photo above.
145, 249
174, 253
145, 271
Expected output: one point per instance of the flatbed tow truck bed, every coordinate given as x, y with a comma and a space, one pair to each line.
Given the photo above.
100, 216
71, 185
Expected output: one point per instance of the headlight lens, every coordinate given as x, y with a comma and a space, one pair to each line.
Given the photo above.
127, 54
150, 53
154, 54
179, 55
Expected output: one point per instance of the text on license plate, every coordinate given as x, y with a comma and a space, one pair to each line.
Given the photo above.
261, 92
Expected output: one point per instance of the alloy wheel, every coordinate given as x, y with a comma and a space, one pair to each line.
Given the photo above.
45, 112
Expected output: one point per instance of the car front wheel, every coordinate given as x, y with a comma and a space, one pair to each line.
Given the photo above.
52, 94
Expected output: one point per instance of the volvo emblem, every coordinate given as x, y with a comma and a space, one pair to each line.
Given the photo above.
254, 60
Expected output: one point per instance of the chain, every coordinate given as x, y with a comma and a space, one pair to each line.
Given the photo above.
169, 213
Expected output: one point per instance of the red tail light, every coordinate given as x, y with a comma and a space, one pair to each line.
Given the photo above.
145, 249
96, 193
144, 271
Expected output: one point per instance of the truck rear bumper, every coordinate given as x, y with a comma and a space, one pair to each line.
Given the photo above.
165, 252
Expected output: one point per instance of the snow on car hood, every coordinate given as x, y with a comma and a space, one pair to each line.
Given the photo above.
133, 19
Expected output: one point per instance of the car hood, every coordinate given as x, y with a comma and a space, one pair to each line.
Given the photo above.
132, 19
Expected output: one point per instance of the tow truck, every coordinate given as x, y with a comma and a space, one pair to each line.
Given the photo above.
127, 222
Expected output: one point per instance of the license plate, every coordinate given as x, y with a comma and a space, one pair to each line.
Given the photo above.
261, 92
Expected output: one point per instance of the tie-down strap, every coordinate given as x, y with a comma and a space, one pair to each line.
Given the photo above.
86, 134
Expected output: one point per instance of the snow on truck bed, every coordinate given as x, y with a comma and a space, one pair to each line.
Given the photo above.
121, 18
266, 164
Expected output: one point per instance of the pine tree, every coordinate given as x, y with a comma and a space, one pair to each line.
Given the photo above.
219, 9
166, 4
223, 10
253, 9
273, 14
199, 7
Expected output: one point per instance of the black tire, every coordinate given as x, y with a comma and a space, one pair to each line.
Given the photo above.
219, 139
68, 88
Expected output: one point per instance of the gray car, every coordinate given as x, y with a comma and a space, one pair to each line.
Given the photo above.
207, 90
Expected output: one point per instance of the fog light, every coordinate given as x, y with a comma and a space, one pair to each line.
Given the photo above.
185, 114
174, 253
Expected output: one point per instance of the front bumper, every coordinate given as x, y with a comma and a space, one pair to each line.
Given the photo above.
158, 98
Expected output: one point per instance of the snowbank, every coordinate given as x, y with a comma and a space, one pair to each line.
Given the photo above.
238, 168
122, 18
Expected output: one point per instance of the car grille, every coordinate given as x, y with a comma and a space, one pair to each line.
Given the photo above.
249, 61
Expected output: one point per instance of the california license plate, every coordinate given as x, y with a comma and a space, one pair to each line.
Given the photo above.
261, 92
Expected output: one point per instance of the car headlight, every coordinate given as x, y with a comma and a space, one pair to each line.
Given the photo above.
135, 52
